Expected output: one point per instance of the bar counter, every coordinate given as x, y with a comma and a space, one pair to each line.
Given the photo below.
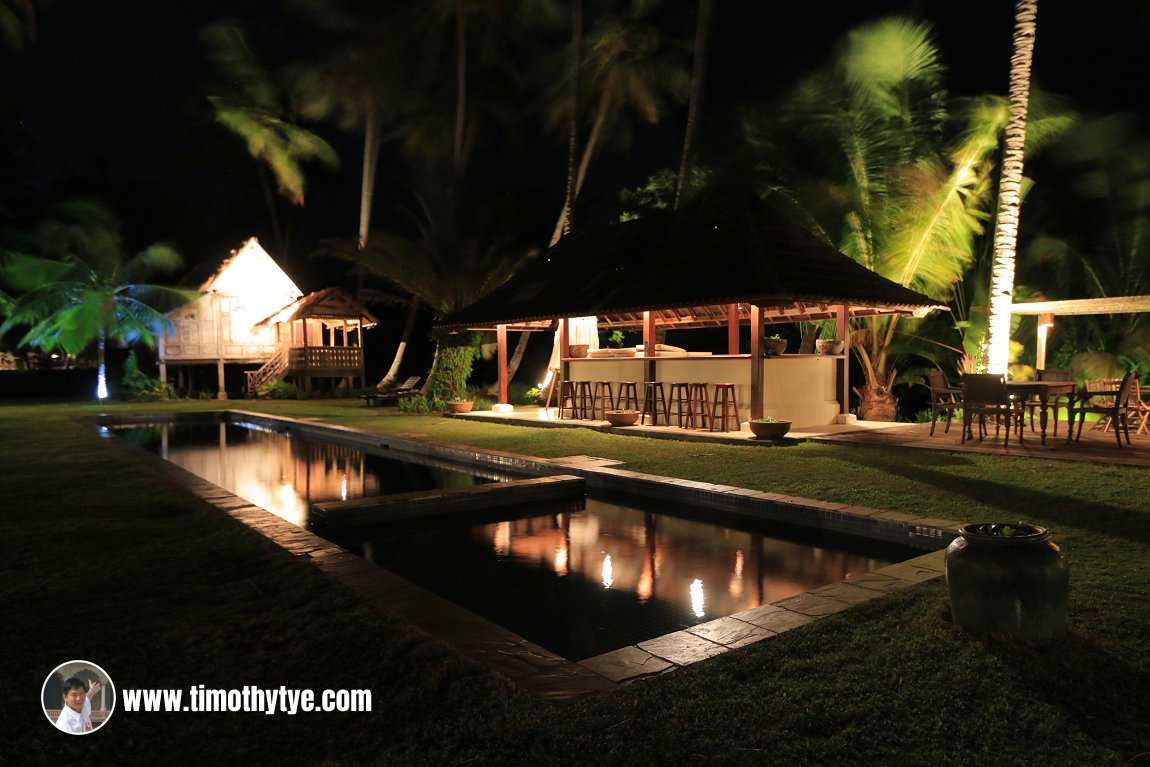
796, 387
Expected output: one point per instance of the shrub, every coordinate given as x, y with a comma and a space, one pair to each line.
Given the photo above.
281, 390
417, 404
138, 386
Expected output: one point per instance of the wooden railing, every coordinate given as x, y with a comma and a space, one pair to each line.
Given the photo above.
318, 358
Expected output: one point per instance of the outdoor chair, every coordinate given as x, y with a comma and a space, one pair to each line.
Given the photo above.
403, 391
1059, 401
944, 398
1114, 406
1142, 414
985, 394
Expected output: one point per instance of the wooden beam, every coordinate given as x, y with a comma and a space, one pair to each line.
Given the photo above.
1114, 305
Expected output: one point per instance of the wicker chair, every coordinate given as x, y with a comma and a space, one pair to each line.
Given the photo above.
1115, 407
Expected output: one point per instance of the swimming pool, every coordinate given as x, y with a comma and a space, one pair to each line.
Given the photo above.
577, 582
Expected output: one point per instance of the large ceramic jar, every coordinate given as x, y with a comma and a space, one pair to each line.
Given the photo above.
1007, 580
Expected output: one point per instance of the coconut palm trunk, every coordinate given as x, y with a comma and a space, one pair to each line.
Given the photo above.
702, 35
1009, 190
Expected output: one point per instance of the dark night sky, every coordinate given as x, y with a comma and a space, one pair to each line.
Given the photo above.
116, 80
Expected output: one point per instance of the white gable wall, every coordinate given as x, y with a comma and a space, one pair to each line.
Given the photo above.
220, 325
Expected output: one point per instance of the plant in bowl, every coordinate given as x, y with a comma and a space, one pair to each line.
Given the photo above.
622, 417
459, 405
829, 346
768, 428
774, 346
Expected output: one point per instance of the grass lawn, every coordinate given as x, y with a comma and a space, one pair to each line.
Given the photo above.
106, 561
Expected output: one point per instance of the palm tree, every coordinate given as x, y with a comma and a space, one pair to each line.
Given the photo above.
252, 107
18, 23
1010, 189
626, 64
698, 70
897, 198
464, 247
357, 78
87, 290
1091, 215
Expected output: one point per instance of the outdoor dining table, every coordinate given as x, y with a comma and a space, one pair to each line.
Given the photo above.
1020, 390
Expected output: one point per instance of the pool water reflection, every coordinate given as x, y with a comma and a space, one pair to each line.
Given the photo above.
578, 583
587, 582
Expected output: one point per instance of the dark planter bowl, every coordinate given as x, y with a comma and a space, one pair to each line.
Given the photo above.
773, 347
773, 430
622, 419
459, 407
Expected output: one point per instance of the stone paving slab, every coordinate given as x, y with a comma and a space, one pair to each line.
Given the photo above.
731, 632
682, 648
627, 664
774, 618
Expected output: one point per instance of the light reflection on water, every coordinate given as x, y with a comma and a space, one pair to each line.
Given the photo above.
576, 582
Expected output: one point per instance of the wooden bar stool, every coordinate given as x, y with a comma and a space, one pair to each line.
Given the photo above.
724, 398
653, 394
602, 399
698, 407
680, 398
566, 399
584, 404
628, 396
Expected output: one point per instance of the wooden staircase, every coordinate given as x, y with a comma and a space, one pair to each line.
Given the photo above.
272, 370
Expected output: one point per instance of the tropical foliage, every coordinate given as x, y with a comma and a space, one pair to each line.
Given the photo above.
80, 287
463, 248
1092, 213
894, 174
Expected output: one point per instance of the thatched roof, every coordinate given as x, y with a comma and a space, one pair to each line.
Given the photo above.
688, 266
330, 305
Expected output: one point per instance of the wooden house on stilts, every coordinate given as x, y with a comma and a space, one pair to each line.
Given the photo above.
252, 316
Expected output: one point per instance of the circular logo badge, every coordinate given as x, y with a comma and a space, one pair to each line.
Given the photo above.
78, 697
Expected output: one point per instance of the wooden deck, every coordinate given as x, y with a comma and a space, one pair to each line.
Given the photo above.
1095, 446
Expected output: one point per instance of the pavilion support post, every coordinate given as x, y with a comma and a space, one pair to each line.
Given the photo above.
732, 328
842, 364
221, 392
1045, 323
756, 361
649, 346
564, 353
162, 357
501, 347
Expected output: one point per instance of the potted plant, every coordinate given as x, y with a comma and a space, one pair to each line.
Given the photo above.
459, 405
829, 346
768, 428
774, 346
1007, 580
622, 417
